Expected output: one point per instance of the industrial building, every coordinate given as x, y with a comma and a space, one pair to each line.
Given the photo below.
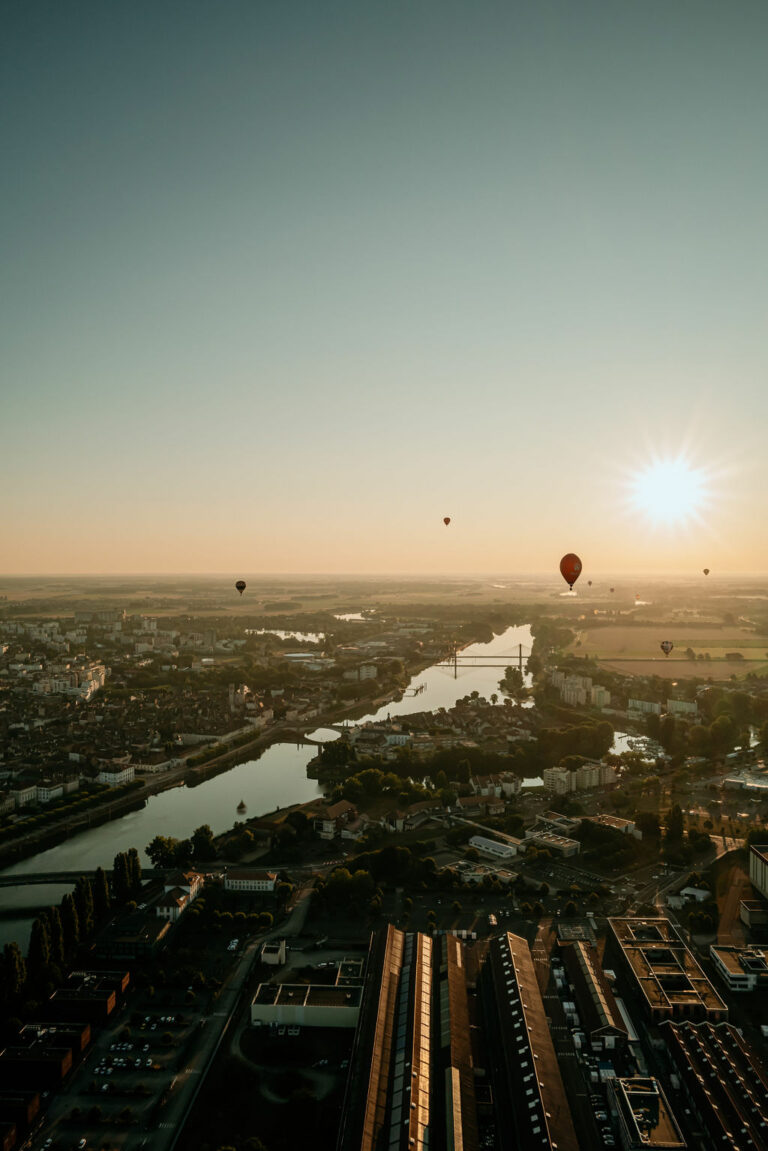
662, 971
532, 1108
411, 1083
725, 1089
600, 1017
645, 1118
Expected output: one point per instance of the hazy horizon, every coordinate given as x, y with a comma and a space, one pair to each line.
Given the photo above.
285, 285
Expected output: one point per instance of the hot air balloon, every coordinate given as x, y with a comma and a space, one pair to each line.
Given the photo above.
240, 585
666, 646
706, 571
589, 583
570, 569
446, 520
613, 589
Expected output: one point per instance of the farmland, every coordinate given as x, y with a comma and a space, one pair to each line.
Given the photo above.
634, 650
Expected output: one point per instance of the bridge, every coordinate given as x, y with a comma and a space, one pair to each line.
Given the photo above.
65, 877
460, 662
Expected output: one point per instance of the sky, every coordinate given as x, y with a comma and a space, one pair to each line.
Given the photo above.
285, 283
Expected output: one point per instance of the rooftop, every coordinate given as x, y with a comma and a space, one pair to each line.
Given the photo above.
647, 1115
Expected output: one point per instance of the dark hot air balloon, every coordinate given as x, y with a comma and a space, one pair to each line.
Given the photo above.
666, 646
613, 589
240, 585
570, 569
446, 520
589, 583
706, 571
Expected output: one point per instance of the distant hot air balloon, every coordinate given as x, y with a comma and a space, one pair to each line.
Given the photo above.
446, 520
666, 646
706, 571
589, 583
570, 569
613, 589
240, 585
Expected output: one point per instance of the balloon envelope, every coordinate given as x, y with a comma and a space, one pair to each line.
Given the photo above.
706, 571
570, 568
613, 589
589, 583
666, 646
446, 520
240, 585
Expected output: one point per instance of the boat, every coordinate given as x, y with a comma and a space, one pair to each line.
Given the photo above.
242, 805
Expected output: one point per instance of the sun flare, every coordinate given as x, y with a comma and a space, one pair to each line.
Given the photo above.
670, 491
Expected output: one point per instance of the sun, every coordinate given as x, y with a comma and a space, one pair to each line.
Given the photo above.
670, 492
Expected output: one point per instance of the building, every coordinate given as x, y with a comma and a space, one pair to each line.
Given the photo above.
600, 1017
172, 904
681, 707
645, 1118
662, 971
306, 1005
644, 706
551, 841
47, 791
616, 823
249, 879
532, 1107
117, 775
273, 953
558, 780
411, 1082
492, 848
741, 968
330, 823
758, 869
724, 1086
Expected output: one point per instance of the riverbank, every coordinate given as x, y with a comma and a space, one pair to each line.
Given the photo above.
114, 807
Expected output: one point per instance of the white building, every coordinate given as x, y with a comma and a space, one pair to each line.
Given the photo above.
25, 794
741, 968
600, 696
248, 879
48, 791
644, 706
492, 848
681, 707
116, 775
558, 780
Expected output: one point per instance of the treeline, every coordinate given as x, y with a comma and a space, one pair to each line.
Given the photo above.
58, 932
166, 851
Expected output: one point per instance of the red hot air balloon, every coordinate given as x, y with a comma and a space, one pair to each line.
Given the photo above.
666, 646
706, 571
570, 569
240, 585
446, 520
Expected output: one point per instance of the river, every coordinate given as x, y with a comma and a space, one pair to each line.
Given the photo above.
277, 778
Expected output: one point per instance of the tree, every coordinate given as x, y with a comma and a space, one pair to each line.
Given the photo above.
121, 880
14, 973
203, 847
70, 924
56, 936
84, 904
162, 851
134, 869
39, 951
674, 834
102, 900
